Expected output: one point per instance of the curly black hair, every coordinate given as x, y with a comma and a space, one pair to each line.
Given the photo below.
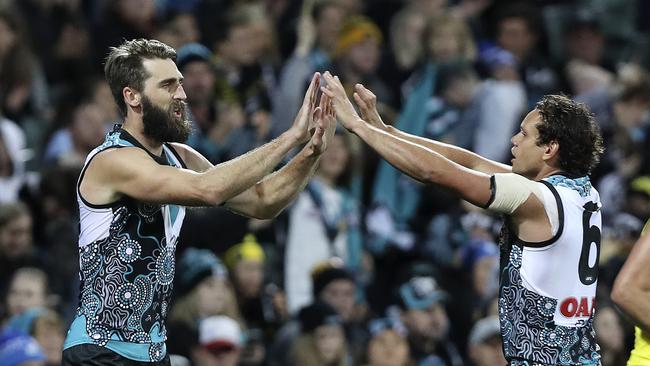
573, 126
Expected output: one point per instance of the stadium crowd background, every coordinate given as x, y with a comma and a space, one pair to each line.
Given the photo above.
367, 267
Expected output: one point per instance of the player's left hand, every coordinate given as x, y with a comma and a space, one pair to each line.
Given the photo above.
325, 125
302, 127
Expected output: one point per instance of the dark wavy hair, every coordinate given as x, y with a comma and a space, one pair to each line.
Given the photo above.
573, 126
124, 65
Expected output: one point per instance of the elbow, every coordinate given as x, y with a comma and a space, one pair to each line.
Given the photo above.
207, 194
620, 296
429, 176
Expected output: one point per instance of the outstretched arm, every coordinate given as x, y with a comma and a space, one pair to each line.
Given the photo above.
632, 286
131, 172
269, 197
367, 102
419, 162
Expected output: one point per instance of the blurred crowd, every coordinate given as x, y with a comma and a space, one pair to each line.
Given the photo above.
366, 267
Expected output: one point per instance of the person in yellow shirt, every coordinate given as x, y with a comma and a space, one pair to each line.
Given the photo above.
632, 294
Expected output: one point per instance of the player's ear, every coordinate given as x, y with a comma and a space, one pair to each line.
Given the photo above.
552, 149
131, 97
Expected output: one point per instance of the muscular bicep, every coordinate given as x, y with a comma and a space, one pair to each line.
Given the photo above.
471, 185
133, 173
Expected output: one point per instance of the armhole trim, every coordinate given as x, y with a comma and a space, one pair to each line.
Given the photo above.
560, 212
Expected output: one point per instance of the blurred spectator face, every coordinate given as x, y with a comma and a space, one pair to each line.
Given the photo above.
334, 161
460, 91
340, 295
515, 36
487, 353
73, 42
198, 82
185, 29
263, 37
26, 291
88, 127
630, 113
212, 295
406, 34
609, 330
49, 333
388, 348
7, 37
249, 275
16, 237
586, 44
431, 323
329, 340
364, 56
328, 25
139, 13
223, 358
239, 48
444, 44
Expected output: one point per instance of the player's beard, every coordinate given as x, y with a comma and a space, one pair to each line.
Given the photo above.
162, 125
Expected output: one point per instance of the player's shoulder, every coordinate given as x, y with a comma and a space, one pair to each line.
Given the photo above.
192, 158
113, 159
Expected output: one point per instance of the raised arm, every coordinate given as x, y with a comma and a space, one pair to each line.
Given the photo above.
419, 162
367, 102
131, 172
270, 196
632, 286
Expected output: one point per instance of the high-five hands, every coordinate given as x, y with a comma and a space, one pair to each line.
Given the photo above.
367, 103
345, 111
325, 125
303, 124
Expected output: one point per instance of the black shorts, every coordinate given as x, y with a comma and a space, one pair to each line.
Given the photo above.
93, 355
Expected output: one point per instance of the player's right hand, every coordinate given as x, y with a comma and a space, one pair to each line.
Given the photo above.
367, 103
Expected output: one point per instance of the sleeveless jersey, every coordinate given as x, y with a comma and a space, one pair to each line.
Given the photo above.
126, 257
548, 289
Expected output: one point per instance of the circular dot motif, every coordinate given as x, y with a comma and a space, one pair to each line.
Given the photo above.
99, 335
129, 250
127, 296
546, 306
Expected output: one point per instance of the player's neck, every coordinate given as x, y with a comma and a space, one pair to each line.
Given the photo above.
547, 171
136, 129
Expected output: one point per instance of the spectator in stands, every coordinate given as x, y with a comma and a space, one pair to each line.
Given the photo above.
425, 318
46, 327
321, 340
485, 347
203, 289
519, 31
18, 349
17, 248
388, 345
12, 160
28, 289
317, 30
324, 222
220, 342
